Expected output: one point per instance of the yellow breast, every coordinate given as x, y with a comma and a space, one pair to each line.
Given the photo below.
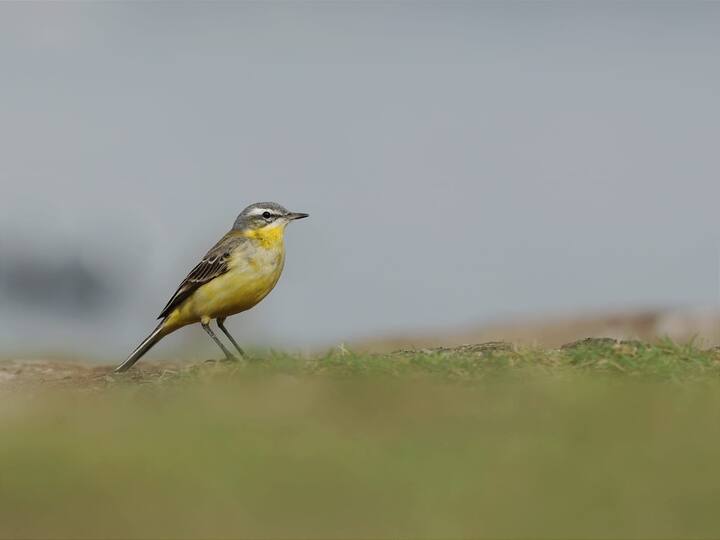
254, 269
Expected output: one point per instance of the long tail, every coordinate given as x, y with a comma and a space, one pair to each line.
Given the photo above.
144, 347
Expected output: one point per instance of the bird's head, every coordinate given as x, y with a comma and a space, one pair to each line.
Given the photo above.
264, 217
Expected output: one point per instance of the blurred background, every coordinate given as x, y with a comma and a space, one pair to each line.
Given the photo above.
472, 170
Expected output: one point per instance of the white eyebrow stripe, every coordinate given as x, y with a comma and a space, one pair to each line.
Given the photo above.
259, 211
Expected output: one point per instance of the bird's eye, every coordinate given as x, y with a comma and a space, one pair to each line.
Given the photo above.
266, 214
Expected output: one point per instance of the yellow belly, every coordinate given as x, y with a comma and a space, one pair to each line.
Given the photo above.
251, 277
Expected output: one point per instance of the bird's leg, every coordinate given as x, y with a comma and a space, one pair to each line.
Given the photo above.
221, 325
206, 327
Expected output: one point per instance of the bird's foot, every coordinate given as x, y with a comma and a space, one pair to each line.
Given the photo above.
232, 359
226, 360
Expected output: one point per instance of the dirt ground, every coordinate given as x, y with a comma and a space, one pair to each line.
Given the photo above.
52, 373
21, 373
28, 374
700, 327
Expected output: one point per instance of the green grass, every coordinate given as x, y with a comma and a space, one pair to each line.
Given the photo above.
596, 440
663, 361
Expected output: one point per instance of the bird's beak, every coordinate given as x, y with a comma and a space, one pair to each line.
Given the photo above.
296, 215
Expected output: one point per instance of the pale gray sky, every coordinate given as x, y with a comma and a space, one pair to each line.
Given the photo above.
461, 162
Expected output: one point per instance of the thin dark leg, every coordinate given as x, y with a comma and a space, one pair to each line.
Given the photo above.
221, 325
228, 354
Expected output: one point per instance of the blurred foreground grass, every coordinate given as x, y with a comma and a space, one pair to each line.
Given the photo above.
596, 440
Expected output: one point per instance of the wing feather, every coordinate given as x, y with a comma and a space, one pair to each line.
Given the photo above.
213, 264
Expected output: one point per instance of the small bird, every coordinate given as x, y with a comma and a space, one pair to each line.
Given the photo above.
238, 272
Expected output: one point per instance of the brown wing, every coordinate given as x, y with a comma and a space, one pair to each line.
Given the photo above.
213, 264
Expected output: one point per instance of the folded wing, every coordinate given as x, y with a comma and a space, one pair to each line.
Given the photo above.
215, 263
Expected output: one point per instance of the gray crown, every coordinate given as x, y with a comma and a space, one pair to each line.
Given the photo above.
256, 210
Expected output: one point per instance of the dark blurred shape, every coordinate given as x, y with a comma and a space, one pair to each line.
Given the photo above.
66, 285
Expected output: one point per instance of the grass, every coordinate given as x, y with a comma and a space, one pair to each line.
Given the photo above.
600, 439
663, 361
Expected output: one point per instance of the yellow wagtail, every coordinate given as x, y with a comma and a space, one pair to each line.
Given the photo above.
238, 272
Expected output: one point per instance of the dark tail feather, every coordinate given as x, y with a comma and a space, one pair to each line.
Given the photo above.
144, 347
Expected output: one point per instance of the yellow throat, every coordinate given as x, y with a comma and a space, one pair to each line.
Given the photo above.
270, 237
